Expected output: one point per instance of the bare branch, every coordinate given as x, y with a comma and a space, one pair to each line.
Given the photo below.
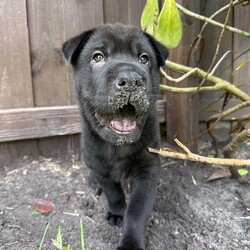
218, 82
220, 61
208, 20
218, 12
188, 155
229, 111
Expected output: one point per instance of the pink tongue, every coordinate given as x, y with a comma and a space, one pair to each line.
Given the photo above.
124, 125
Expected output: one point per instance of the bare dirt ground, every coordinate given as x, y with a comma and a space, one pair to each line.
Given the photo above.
189, 213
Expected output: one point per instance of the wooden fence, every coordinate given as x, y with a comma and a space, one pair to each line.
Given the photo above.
38, 115
37, 112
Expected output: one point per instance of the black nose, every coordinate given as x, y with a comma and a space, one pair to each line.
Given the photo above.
129, 80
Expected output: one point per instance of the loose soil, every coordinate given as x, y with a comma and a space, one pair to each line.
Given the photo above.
189, 213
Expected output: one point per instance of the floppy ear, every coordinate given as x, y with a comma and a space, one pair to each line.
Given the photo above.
160, 50
72, 48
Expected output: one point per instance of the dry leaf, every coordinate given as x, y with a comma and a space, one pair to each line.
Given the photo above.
219, 175
42, 206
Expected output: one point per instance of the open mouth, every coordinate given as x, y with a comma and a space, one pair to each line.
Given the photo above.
123, 122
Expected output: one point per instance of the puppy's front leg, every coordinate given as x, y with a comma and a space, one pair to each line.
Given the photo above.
116, 200
138, 211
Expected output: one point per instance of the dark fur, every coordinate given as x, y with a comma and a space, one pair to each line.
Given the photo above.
116, 91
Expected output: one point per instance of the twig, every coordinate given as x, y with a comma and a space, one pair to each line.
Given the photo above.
246, 2
71, 214
208, 20
229, 111
220, 11
235, 59
199, 37
182, 146
188, 155
220, 61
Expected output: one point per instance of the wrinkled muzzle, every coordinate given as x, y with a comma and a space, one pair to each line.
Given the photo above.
128, 109
127, 112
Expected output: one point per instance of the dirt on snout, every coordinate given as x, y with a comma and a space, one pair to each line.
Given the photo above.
189, 213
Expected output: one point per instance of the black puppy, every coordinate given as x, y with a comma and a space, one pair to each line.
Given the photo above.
116, 70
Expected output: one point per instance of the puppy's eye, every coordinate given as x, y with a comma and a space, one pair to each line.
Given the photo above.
144, 59
98, 57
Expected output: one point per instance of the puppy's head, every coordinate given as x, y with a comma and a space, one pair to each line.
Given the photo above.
117, 79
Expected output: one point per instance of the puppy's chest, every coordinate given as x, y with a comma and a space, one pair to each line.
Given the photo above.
119, 166
120, 171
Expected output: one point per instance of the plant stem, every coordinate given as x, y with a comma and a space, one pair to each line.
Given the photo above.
82, 235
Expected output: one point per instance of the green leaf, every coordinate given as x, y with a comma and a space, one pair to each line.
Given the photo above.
169, 28
149, 16
34, 212
242, 172
67, 247
58, 243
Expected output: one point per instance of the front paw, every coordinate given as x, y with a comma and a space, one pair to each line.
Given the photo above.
114, 219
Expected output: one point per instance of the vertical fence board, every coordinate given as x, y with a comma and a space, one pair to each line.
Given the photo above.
15, 78
211, 37
50, 79
116, 11
135, 11
51, 86
80, 16
242, 44
125, 11
182, 109
51, 23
